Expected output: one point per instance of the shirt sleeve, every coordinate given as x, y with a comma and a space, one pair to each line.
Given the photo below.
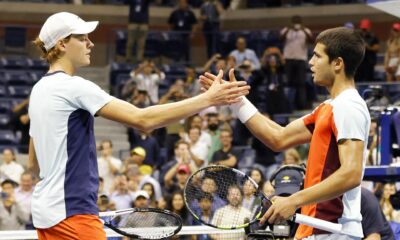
88, 96
350, 121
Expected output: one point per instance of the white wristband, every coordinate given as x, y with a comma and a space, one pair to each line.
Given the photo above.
244, 110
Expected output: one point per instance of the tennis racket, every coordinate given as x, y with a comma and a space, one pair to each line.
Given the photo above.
225, 189
143, 223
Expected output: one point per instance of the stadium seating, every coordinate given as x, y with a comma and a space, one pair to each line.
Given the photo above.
15, 39
5, 106
19, 91
7, 137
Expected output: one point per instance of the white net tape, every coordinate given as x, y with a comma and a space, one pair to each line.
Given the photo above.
186, 230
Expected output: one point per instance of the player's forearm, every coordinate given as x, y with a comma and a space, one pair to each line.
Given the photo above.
267, 131
334, 186
162, 115
147, 119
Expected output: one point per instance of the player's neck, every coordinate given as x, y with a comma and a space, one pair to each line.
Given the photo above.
62, 65
340, 85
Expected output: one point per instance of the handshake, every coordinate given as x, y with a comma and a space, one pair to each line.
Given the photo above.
239, 105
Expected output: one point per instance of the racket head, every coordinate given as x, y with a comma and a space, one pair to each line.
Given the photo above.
145, 223
225, 189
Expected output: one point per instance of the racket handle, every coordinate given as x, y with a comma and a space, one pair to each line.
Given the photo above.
318, 223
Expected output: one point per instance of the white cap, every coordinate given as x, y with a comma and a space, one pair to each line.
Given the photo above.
61, 25
141, 193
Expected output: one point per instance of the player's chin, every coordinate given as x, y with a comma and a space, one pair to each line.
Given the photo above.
85, 63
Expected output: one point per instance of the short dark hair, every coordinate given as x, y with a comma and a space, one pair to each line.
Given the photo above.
8, 181
345, 43
179, 142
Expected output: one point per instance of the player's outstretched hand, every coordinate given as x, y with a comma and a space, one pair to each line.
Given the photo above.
220, 92
207, 79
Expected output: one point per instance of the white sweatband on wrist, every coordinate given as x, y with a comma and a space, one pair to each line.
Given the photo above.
244, 109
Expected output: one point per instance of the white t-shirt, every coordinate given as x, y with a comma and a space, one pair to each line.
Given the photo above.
12, 171
61, 111
296, 44
105, 171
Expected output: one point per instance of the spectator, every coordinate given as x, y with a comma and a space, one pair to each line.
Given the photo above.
176, 177
147, 77
366, 70
372, 143
183, 21
296, 37
136, 180
20, 123
226, 156
162, 203
149, 188
392, 54
374, 223
108, 165
10, 168
273, 73
128, 91
138, 27
198, 150
12, 214
390, 213
174, 94
292, 156
182, 155
141, 99
206, 214
141, 199
191, 85
197, 121
210, 11
23, 195
121, 195
258, 176
249, 199
214, 64
138, 154
235, 208
104, 204
215, 133
209, 186
242, 53
148, 143
177, 205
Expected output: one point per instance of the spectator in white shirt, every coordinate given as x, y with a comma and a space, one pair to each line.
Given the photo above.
108, 165
10, 168
243, 53
198, 150
197, 121
147, 77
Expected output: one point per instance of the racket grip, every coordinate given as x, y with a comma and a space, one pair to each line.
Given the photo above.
318, 223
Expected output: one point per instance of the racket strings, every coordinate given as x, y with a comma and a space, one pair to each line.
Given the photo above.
149, 225
228, 187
